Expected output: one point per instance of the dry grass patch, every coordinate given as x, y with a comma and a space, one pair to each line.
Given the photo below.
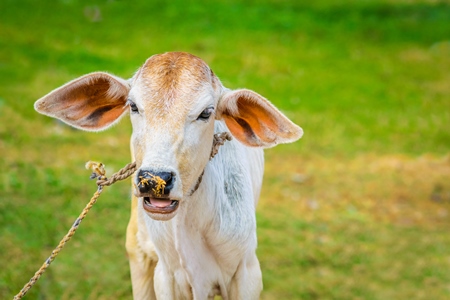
394, 189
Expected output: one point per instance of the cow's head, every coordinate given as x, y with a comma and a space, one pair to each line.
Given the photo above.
173, 101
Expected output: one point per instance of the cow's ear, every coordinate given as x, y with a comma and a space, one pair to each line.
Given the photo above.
254, 121
92, 102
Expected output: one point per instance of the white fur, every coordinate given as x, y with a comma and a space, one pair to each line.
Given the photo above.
208, 247
213, 239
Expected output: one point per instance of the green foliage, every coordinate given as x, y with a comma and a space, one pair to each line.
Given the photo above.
358, 209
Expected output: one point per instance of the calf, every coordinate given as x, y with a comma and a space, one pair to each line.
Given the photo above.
192, 231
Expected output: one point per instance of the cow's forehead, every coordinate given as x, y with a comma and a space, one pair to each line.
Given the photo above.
173, 79
175, 69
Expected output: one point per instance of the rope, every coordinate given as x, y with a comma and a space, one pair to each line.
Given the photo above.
99, 173
219, 140
102, 181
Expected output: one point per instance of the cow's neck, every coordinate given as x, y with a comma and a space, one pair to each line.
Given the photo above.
218, 140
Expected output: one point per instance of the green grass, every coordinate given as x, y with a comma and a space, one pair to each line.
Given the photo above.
357, 209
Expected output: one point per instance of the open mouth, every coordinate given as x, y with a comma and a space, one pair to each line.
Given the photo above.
160, 205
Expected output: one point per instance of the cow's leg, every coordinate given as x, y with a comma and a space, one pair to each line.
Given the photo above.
247, 282
142, 264
164, 283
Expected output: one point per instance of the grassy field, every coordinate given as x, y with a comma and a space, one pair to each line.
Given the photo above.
359, 208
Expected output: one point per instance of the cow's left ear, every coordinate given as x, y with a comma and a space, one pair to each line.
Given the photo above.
254, 121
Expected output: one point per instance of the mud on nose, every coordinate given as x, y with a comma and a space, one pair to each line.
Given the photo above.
155, 183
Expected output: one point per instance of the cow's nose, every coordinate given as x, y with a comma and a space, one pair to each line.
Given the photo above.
158, 184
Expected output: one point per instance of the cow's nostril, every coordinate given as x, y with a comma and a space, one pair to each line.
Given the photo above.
169, 178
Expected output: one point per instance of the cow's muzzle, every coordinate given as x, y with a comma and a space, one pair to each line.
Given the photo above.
155, 187
156, 184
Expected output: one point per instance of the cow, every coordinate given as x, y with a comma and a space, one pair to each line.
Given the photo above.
192, 230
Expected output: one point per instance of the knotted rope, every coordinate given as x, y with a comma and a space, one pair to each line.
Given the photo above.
99, 173
219, 140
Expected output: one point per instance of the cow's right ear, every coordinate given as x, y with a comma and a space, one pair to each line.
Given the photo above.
92, 102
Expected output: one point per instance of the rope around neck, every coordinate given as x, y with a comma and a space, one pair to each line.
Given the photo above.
99, 173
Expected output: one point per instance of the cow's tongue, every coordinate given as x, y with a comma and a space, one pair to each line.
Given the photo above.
160, 203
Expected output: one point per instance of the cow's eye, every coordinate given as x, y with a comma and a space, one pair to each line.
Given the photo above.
134, 109
204, 116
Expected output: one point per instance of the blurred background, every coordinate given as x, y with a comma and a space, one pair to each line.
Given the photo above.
357, 209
